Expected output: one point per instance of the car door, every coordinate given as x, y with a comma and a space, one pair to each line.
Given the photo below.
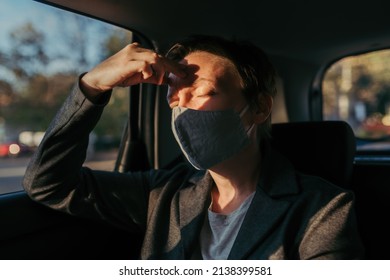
38, 70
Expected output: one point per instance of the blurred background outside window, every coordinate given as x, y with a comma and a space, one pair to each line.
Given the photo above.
43, 50
356, 89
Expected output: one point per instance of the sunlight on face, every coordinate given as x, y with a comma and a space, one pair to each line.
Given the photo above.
212, 83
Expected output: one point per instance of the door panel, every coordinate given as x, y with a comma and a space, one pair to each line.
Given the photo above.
371, 183
32, 231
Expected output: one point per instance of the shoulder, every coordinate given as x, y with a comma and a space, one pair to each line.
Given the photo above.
306, 194
316, 190
281, 179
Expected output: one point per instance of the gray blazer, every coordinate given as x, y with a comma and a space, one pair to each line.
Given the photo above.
292, 216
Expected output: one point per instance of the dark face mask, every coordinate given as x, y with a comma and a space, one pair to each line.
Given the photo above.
208, 137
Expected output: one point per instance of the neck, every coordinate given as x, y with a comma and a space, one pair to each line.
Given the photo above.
235, 179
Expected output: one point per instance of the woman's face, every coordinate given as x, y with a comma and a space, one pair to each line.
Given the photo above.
212, 83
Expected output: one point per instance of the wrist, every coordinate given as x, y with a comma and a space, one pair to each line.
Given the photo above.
91, 93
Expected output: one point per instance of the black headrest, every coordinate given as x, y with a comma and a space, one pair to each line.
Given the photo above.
325, 149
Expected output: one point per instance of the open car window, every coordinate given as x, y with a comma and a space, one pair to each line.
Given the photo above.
356, 89
43, 50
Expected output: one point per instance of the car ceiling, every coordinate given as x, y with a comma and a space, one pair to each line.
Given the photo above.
313, 31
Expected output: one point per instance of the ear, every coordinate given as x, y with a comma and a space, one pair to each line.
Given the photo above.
265, 108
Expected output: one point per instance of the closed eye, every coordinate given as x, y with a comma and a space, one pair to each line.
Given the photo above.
208, 94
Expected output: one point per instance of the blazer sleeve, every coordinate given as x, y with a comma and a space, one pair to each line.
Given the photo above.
55, 176
332, 232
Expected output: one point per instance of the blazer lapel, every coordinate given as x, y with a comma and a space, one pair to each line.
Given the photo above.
193, 204
267, 209
262, 216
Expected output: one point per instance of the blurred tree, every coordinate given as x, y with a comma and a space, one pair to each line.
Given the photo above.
115, 42
368, 96
28, 55
37, 94
6, 94
30, 98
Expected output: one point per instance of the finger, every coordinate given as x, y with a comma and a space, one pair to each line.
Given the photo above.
157, 76
155, 59
174, 67
153, 70
143, 73
151, 65
150, 56
136, 52
132, 80
133, 72
147, 71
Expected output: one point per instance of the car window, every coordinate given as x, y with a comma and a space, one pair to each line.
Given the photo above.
43, 50
356, 89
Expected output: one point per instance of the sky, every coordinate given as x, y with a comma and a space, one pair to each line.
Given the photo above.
58, 27
54, 23
16, 12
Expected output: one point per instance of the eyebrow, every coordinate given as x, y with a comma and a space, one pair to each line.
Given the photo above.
205, 79
215, 84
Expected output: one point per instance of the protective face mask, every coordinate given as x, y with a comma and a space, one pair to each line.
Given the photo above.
208, 137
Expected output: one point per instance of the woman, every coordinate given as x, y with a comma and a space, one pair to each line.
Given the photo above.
243, 200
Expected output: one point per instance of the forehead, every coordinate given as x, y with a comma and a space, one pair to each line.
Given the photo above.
207, 65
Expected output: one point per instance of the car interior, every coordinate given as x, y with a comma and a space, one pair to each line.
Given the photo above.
302, 39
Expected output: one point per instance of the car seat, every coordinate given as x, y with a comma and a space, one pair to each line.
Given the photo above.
325, 149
